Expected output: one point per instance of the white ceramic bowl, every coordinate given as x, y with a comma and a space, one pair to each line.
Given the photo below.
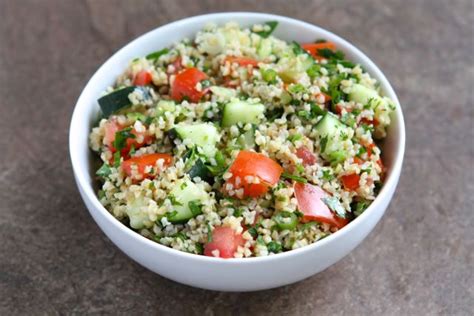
215, 273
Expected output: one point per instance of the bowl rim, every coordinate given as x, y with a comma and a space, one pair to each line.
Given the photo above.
390, 181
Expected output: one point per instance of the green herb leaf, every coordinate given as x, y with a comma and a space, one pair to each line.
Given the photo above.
173, 200
269, 75
199, 248
330, 54
104, 171
117, 159
323, 143
327, 175
293, 177
314, 71
272, 26
121, 138
274, 247
209, 233
253, 232
157, 54
316, 110
297, 49
335, 205
195, 207
360, 207
180, 235
238, 212
295, 137
296, 88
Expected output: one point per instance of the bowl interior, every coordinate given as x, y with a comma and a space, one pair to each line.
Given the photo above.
87, 109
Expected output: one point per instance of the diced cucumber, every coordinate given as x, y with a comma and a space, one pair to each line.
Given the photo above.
361, 94
223, 94
204, 135
265, 48
115, 100
241, 111
330, 131
247, 139
137, 213
165, 106
292, 68
186, 196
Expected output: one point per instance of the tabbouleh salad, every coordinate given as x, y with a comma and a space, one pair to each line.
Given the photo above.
238, 144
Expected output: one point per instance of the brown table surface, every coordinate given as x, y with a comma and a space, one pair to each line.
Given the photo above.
55, 260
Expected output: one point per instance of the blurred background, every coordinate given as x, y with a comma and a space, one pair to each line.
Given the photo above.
55, 260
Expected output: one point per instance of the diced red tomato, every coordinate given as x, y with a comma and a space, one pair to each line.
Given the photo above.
351, 181
373, 122
143, 162
312, 206
224, 239
326, 97
358, 161
313, 48
306, 155
249, 163
242, 61
230, 82
142, 78
369, 148
184, 85
112, 127
380, 163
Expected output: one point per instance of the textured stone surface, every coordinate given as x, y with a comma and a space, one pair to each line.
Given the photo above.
54, 259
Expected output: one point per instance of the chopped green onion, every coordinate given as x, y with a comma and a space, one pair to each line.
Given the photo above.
286, 220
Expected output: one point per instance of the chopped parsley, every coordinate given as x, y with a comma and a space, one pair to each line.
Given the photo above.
173, 200
238, 212
180, 235
323, 143
327, 175
253, 231
117, 159
199, 248
295, 137
121, 137
157, 54
274, 247
104, 171
271, 26
360, 207
209, 233
296, 88
195, 207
